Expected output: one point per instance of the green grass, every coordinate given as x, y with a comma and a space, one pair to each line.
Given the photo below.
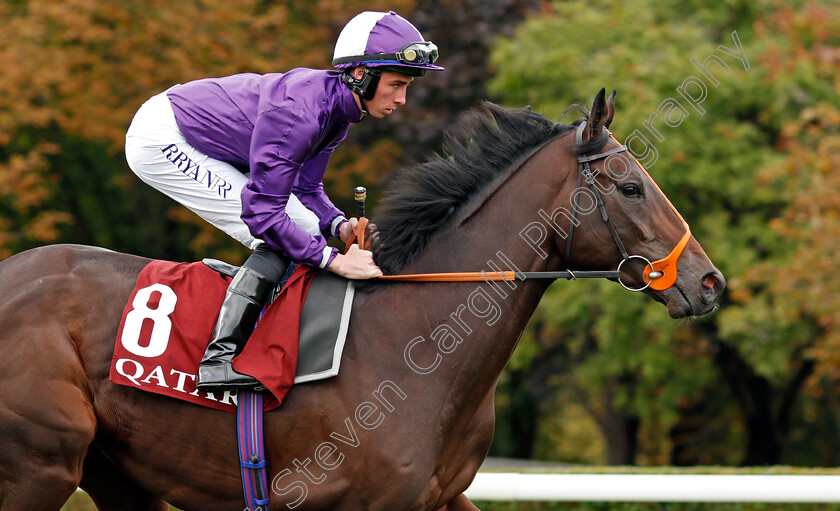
81, 502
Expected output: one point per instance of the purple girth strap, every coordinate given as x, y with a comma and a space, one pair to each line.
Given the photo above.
249, 427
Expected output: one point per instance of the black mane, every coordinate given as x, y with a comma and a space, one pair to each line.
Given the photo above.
424, 198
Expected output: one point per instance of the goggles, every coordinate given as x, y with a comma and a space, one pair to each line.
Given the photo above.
421, 53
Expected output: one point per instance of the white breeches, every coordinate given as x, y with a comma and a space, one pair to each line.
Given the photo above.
160, 156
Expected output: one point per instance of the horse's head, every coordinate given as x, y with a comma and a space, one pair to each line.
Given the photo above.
637, 230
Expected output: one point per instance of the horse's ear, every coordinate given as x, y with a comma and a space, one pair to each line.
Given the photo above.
610, 109
597, 116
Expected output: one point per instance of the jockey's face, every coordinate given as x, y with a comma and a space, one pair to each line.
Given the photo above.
390, 93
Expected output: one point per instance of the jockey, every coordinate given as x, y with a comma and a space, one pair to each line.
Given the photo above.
248, 154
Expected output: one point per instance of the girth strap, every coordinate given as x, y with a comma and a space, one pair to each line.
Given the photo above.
249, 420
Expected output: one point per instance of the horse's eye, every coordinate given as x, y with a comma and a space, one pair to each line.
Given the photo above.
631, 191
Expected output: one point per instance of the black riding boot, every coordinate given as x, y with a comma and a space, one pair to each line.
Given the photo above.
244, 300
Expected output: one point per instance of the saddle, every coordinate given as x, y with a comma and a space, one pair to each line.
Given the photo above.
170, 315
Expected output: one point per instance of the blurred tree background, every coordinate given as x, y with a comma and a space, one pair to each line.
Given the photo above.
601, 375
754, 174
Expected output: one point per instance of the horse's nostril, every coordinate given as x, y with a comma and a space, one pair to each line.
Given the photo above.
711, 285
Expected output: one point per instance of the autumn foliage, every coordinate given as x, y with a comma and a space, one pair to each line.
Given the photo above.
79, 69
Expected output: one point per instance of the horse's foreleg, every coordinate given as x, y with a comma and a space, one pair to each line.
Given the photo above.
111, 490
459, 503
46, 418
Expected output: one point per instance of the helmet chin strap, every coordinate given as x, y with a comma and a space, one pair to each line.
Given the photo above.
365, 86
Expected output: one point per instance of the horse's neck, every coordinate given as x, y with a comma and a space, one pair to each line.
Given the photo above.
489, 317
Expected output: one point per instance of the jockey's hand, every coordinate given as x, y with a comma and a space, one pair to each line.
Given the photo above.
347, 228
355, 264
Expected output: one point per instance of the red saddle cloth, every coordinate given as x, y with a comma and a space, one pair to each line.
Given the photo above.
169, 320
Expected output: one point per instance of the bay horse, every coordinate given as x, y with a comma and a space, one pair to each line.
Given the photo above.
409, 420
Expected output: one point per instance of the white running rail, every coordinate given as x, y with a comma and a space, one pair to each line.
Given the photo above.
654, 488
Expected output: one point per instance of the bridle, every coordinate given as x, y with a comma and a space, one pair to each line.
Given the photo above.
662, 274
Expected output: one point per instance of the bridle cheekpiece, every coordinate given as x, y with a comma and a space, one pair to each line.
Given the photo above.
663, 272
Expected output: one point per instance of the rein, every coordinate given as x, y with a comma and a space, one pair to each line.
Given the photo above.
474, 276
662, 274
